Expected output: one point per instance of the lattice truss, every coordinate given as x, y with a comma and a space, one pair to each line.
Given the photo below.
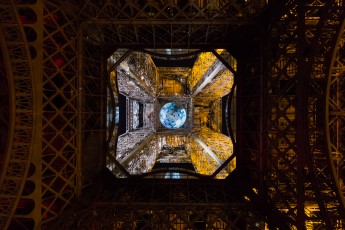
16, 200
220, 144
202, 64
221, 86
217, 146
301, 180
40, 38
212, 67
304, 160
283, 115
215, 118
174, 209
124, 217
163, 24
335, 107
203, 162
59, 112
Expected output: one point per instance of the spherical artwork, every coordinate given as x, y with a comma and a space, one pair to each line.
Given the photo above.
172, 117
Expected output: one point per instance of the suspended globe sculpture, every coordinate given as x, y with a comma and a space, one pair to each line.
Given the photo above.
171, 116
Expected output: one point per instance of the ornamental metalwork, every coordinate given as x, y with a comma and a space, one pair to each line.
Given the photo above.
59, 60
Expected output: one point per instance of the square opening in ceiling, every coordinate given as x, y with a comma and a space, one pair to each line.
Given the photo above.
173, 115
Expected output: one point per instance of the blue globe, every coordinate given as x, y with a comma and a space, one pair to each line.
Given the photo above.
172, 117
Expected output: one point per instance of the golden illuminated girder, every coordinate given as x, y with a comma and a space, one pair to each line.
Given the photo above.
228, 58
220, 86
201, 65
220, 144
112, 79
202, 161
231, 166
207, 145
205, 160
216, 121
200, 116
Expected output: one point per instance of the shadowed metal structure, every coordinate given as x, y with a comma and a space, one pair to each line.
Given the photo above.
57, 141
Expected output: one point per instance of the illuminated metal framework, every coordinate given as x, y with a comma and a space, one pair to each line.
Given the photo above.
147, 88
290, 144
141, 204
307, 151
290, 161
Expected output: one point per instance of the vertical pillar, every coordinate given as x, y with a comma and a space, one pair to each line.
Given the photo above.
301, 114
37, 64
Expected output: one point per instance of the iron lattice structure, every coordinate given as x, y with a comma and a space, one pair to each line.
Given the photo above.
290, 154
166, 204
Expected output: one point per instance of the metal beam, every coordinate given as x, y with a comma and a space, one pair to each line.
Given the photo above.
207, 149
138, 149
301, 116
208, 78
128, 70
226, 64
237, 21
21, 135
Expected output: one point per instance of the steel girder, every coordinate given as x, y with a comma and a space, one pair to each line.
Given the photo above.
165, 204
42, 61
165, 24
281, 135
299, 175
149, 216
16, 158
329, 198
61, 111
334, 118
